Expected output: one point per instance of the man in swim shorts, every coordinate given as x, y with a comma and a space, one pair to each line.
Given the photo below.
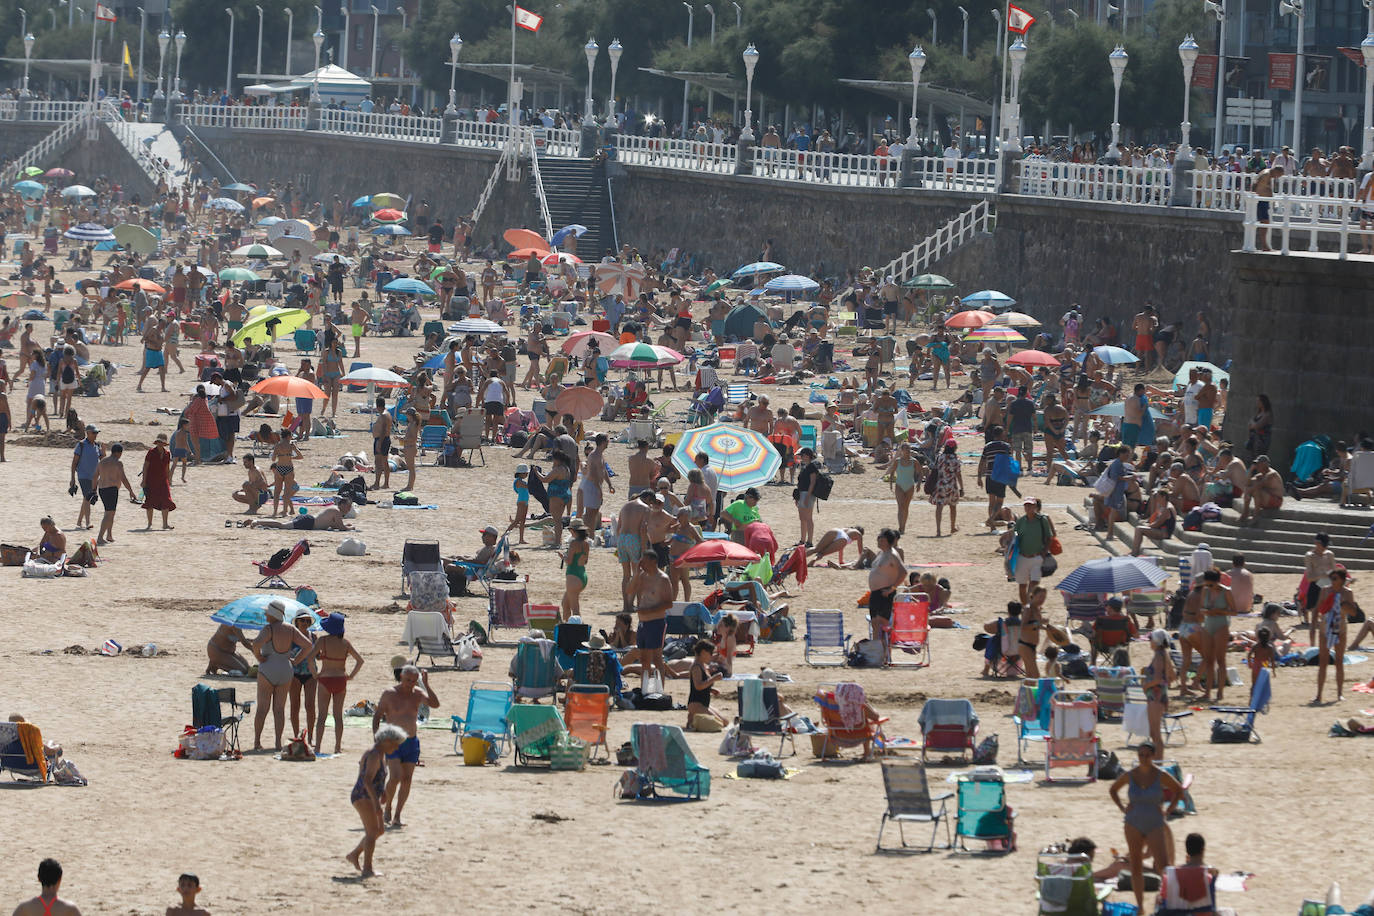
655, 596
630, 529
153, 340
1144, 325
400, 706
360, 317
109, 477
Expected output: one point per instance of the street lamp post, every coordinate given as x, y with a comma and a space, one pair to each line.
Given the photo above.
28, 53
174, 103
1182, 193
1117, 59
450, 130
142, 28
739, 14
164, 38
591, 48
290, 30
934, 27
257, 72
744, 148
963, 12
229, 61
23, 21
907, 175
1218, 9
1367, 51
1017, 55
613, 51
315, 107
376, 24
711, 93
1297, 8
691, 18
401, 62
347, 38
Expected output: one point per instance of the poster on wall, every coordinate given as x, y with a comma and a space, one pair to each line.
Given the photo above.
1205, 71
1281, 67
1317, 73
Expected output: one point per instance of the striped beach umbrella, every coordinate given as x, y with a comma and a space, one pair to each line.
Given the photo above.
741, 458
643, 356
992, 333
256, 251
89, 232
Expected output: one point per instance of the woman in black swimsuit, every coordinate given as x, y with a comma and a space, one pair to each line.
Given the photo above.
699, 691
304, 673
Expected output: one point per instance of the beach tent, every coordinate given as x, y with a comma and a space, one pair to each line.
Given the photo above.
739, 324
336, 85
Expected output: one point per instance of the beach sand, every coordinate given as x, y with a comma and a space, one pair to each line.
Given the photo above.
268, 836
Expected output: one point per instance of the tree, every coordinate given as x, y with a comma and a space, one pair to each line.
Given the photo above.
207, 33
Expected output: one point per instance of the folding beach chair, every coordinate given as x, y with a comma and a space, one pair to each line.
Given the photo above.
910, 633
1065, 885
826, 642
568, 639
1084, 608
1073, 737
534, 730
489, 703
233, 718
666, 762
760, 716
429, 594
586, 712
1111, 690
470, 427
1148, 603
443, 651
1245, 715
273, 575
1183, 805
544, 618
419, 556
30, 766
1109, 635
809, 437
1187, 890
508, 607
1135, 716
598, 667
948, 727
306, 340
847, 727
534, 670
1031, 714
983, 812
432, 437
909, 801
737, 393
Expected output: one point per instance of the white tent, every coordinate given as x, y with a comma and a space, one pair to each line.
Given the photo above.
336, 85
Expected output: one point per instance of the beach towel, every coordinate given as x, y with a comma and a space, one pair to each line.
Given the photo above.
751, 691
849, 701
653, 756
31, 739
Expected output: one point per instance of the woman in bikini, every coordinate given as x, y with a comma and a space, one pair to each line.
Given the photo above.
1335, 602
1032, 617
681, 538
331, 370
284, 453
273, 651
368, 792
303, 671
1155, 679
333, 651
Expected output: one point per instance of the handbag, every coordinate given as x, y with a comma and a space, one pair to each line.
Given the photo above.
1048, 566
1056, 548
1104, 485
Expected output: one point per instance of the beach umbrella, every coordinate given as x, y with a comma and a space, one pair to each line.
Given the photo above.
364, 201
16, 300
929, 281
524, 238
391, 229
475, 326
436, 272
135, 238
295, 228
289, 386
256, 251
716, 550
576, 345
282, 322
31, 171
973, 318
268, 222
1033, 358
89, 232
250, 611
58, 172
1112, 574
77, 190
576, 230
148, 286
1181, 376
375, 375
716, 285
554, 258
387, 199
643, 356
327, 257
1116, 356
791, 283
524, 254
756, 268
992, 334
410, 286
988, 297
741, 457
580, 401
620, 278
1118, 409
388, 215
263, 309
225, 203
1015, 320
237, 275
237, 187
263, 201
29, 188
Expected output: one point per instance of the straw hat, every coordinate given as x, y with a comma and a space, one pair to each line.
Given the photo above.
276, 610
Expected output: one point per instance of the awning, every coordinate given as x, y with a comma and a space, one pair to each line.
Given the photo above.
723, 83
333, 81
76, 69
948, 101
529, 73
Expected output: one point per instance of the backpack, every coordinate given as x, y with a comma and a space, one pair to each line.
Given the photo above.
1108, 766
1230, 732
784, 629
277, 559
985, 754
405, 498
760, 765
824, 484
457, 582
1076, 668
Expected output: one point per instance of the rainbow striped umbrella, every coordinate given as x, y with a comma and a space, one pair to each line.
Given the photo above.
996, 334
741, 458
643, 356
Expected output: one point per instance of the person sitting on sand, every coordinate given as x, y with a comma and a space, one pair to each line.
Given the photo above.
53, 545
330, 518
835, 541
937, 592
220, 654
255, 490
188, 885
702, 678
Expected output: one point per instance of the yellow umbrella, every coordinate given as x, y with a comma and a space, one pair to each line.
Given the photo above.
281, 323
263, 309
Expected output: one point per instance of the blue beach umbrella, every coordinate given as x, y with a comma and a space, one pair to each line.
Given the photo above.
1115, 356
225, 203
1118, 409
989, 297
758, 267
29, 188
250, 611
270, 221
364, 201
409, 286
791, 283
1112, 574
391, 230
572, 229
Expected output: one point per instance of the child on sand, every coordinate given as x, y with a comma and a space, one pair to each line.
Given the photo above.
522, 499
183, 447
188, 885
255, 491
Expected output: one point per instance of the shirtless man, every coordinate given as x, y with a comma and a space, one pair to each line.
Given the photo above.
220, 654
359, 316
760, 417
329, 519
658, 527
47, 903
654, 597
410, 443
596, 482
256, 490
1264, 188
1144, 325
1056, 427
884, 577
787, 434
109, 477
400, 706
381, 446
1206, 401
153, 358
631, 531
1265, 490
643, 469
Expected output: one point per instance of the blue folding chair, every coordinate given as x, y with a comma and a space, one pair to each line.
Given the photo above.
433, 437
306, 340
1259, 704
983, 813
825, 638
1031, 714
489, 704
354, 367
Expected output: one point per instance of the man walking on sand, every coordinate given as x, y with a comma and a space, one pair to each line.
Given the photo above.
47, 903
400, 706
85, 457
109, 477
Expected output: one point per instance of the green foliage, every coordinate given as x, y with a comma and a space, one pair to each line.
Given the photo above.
207, 32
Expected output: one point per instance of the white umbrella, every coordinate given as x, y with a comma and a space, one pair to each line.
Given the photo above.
77, 190
375, 375
256, 251
475, 326
296, 228
1015, 320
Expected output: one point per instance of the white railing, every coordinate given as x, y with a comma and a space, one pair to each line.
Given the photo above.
539, 188
50, 144
1214, 189
9, 109
1079, 181
253, 117
935, 173
1330, 225
482, 133
672, 153
381, 124
43, 110
113, 119
954, 233
560, 142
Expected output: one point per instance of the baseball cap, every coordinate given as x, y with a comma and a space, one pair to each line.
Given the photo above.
491, 530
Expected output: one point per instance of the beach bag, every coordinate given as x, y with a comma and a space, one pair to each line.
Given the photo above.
824, 485
1048, 566
35, 568
632, 785
405, 498
625, 755
297, 749
468, 652
1104, 485
277, 559
568, 753
760, 765
985, 754
932, 480
736, 743
1108, 766
351, 547
705, 723
206, 744
1005, 470
1193, 520
457, 582
867, 653
784, 629
1229, 732
1076, 668
11, 555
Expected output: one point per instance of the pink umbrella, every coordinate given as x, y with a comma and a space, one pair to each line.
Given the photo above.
576, 345
620, 278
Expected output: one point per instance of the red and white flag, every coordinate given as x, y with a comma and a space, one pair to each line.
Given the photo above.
527, 20
1018, 20
104, 13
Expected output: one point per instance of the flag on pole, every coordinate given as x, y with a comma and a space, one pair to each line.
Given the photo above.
1018, 20
527, 20
104, 13
128, 62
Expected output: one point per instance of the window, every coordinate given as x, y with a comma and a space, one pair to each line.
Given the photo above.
357, 38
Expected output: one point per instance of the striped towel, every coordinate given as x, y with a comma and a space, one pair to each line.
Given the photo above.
737, 393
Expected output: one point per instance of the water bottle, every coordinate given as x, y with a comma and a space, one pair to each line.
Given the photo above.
1333, 899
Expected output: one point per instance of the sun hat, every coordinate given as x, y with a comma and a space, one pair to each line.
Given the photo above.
276, 610
595, 641
333, 624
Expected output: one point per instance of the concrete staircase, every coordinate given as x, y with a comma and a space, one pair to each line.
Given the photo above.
975, 222
159, 142
1275, 544
577, 191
